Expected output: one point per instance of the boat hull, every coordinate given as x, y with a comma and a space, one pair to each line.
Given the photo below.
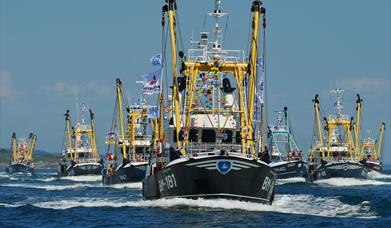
374, 166
81, 169
346, 169
20, 168
289, 169
125, 174
240, 178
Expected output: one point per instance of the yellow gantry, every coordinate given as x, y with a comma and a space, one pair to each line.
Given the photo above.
171, 4
68, 126
14, 147
121, 118
319, 125
253, 72
357, 126
382, 128
92, 135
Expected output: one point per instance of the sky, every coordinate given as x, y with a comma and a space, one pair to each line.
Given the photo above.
49, 47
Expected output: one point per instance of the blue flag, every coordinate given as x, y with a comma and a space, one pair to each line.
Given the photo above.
152, 82
260, 81
153, 112
156, 60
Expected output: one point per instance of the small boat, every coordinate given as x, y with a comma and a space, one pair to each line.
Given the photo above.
285, 156
22, 155
80, 155
372, 157
134, 144
334, 154
206, 147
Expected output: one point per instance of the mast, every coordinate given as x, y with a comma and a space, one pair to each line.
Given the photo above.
288, 127
93, 136
382, 128
121, 118
68, 125
316, 106
31, 148
357, 125
13, 146
170, 7
256, 9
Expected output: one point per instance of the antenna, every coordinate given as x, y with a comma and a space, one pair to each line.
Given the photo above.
217, 30
338, 104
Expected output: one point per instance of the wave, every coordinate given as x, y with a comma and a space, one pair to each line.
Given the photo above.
289, 204
49, 187
135, 185
346, 182
290, 180
85, 178
49, 179
377, 175
11, 205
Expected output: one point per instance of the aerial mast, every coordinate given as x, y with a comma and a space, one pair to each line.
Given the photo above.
382, 128
316, 106
93, 135
357, 125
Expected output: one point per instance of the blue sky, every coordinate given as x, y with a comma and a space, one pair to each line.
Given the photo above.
47, 47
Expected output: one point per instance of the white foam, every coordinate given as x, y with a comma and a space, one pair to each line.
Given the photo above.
49, 187
135, 185
345, 182
85, 178
377, 175
290, 204
49, 179
11, 205
4, 175
290, 180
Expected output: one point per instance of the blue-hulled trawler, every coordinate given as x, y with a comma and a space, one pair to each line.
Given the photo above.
285, 156
333, 153
207, 147
128, 149
80, 155
22, 155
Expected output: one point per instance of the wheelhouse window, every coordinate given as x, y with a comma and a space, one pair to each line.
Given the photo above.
208, 136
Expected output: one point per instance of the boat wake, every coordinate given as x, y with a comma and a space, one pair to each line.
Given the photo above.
136, 185
85, 178
49, 187
376, 175
346, 182
290, 180
289, 204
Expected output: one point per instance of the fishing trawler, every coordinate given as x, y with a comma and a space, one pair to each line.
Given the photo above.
372, 157
335, 154
80, 155
22, 155
129, 160
285, 155
207, 147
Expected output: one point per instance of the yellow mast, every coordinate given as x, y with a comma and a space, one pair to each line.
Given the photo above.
68, 124
171, 5
256, 6
316, 106
357, 126
121, 118
93, 136
14, 149
382, 128
31, 147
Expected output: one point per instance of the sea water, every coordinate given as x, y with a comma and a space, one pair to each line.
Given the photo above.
46, 200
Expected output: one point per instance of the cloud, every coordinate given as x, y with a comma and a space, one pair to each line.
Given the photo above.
69, 89
366, 84
7, 90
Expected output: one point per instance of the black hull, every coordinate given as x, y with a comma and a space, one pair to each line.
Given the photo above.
20, 168
289, 169
246, 180
374, 166
81, 169
348, 169
125, 174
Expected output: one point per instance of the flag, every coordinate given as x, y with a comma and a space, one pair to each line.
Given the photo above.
260, 81
152, 82
156, 60
140, 101
153, 112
